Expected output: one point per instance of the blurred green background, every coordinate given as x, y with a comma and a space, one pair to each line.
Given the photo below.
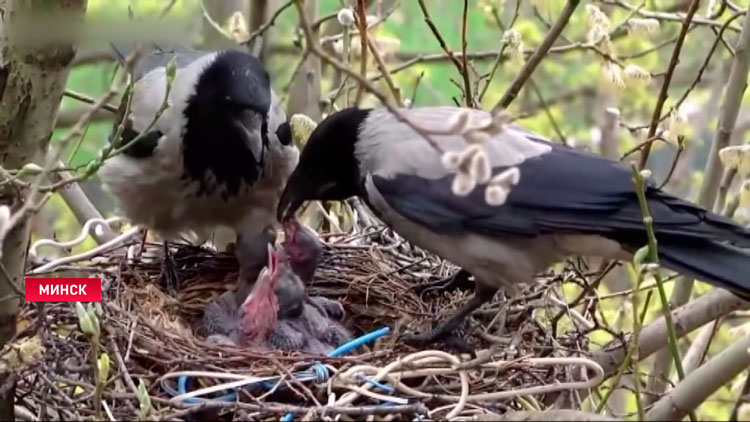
571, 95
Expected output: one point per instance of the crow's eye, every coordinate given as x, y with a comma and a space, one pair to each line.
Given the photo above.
284, 133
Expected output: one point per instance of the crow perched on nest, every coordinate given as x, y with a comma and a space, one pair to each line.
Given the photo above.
560, 201
217, 156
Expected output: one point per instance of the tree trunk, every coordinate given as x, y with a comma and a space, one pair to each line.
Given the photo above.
32, 80
259, 12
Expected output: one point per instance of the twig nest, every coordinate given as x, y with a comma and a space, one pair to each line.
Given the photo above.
738, 158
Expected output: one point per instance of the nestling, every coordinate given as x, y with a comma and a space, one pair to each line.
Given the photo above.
296, 324
305, 251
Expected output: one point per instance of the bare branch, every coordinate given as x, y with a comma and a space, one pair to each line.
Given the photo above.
687, 318
537, 56
668, 80
315, 49
699, 385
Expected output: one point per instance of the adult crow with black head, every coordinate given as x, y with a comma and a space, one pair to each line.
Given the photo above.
217, 156
562, 202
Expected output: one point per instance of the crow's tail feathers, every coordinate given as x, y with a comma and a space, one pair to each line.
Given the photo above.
717, 263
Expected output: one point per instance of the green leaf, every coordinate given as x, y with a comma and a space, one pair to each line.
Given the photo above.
640, 256
171, 71
103, 366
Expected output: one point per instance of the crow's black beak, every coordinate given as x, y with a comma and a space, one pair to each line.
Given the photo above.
249, 125
289, 204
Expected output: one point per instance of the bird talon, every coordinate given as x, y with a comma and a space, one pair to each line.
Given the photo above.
458, 281
169, 270
451, 341
418, 340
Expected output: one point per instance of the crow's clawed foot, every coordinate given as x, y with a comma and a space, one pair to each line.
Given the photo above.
169, 270
458, 344
460, 280
330, 307
286, 338
420, 339
450, 340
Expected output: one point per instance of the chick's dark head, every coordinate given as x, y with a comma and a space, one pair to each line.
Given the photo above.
290, 290
328, 168
303, 247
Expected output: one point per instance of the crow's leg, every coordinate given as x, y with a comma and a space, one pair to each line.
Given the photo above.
483, 295
169, 270
459, 280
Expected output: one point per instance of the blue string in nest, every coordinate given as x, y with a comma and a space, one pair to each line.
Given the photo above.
318, 372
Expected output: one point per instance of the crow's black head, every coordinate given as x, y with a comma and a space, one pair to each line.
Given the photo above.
328, 168
230, 121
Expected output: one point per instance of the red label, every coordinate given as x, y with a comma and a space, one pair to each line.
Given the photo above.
63, 289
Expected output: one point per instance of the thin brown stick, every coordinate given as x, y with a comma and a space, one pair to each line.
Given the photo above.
362, 24
315, 48
667, 80
88, 100
460, 64
266, 26
469, 98
395, 91
501, 52
537, 56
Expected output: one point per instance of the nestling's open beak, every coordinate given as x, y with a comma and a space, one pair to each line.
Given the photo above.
269, 271
288, 204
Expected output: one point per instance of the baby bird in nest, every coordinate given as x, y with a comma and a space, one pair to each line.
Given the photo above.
305, 251
277, 313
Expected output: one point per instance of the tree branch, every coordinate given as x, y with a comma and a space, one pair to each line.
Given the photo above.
687, 318
696, 388
656, 117
537, 56
735, 89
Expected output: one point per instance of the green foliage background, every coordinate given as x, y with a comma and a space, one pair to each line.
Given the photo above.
574, 72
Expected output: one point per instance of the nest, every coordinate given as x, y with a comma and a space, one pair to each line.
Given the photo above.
148, 330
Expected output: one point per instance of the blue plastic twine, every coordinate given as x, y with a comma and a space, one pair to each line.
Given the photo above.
317, 372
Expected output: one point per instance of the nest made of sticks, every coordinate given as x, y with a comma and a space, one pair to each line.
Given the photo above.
148, 329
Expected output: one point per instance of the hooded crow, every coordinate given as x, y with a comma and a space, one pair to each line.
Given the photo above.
218, 155
564, 202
